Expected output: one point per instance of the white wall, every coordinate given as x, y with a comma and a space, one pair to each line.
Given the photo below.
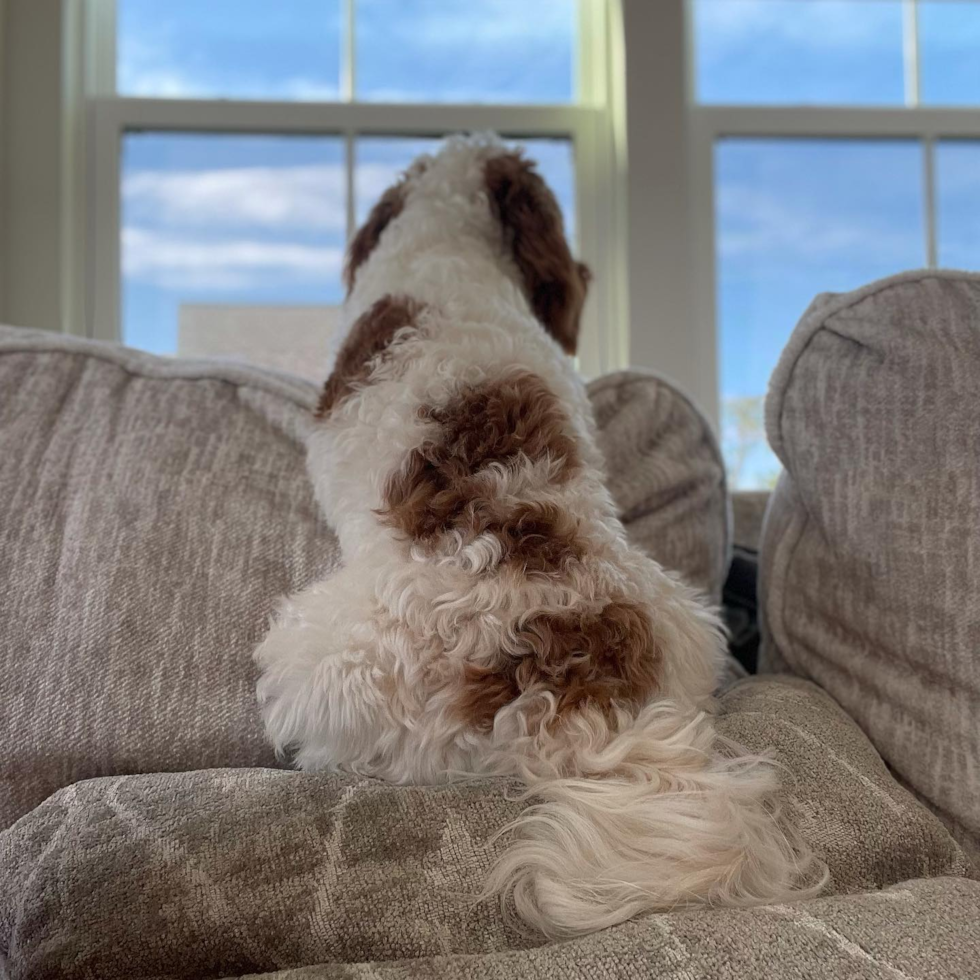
666, 328
288, 338
32, 206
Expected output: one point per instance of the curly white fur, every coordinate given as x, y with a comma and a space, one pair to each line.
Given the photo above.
640, 808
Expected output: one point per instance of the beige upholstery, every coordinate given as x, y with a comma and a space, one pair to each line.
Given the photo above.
871, 550
152, 512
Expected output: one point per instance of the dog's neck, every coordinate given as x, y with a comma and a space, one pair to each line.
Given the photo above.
463, 269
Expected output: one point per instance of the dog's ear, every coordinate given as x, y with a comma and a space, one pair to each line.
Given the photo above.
388, 208
554, 282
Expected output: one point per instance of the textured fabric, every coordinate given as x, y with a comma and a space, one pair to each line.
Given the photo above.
871, 550
919, 929
229, 871
666, 474
153, 511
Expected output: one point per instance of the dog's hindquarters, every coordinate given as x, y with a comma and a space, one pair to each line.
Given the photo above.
322, 685
348, 684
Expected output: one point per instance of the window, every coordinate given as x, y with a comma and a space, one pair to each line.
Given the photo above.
958, 203
793, 147
833, 159
238, 143
800, 52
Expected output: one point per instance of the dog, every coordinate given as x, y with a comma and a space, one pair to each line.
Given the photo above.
490, 616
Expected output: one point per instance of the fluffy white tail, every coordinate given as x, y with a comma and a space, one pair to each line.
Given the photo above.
663, 815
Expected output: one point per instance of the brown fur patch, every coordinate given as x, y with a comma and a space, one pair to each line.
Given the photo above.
554, 282
537, 537
389, 206
440, 487
592, 658
371, 334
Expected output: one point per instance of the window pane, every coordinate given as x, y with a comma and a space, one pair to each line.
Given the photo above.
250, 49
949, 52
795, 218
216, 219
799, 51
958, 204
381, 159
472, 51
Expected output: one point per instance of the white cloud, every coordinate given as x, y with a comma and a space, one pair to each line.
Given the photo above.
177, 262
168, 82
496, 22
152, 69
754, 222
162, 83
146, 69
825, 24
270, 197
305, 90
280, 198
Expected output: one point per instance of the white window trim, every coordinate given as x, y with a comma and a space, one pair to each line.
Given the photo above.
646, 219
672, 182
711, 124
590, 123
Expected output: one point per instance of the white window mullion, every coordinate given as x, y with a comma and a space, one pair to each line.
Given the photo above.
704, 325
911, 53
840, 122
929, 199
350, 162
410, 119
590, 354
587, 83
612, 178
349, 52
100, 45
349, 55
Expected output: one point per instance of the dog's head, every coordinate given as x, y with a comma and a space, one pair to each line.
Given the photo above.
483, 174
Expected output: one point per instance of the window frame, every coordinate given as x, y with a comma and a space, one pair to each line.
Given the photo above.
589, 123
708, 123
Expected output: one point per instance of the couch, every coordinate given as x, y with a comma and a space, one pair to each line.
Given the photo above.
152, 511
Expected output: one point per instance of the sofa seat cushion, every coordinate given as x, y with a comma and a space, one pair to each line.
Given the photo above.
871, 549
235, 871
153, 511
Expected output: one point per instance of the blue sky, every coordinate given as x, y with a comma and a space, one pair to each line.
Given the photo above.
255, 219
262, 219
405, 50
843, 52
799, 51
958, 204
797, 217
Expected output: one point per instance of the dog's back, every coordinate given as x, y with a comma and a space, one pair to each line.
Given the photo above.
490, 616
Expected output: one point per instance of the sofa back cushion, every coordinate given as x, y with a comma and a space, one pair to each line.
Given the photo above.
153, 511
871, 549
